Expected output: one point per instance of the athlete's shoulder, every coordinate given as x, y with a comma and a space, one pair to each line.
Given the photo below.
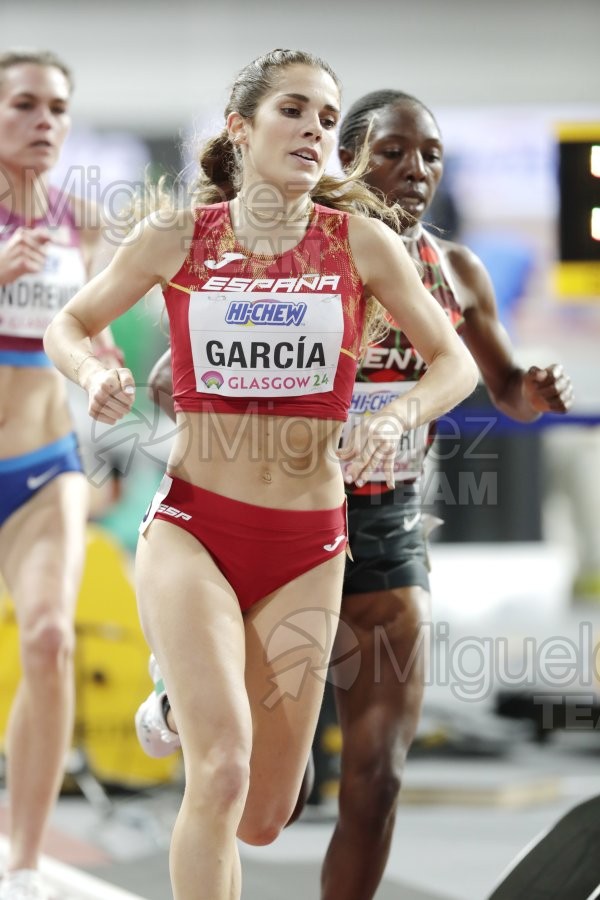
471, 279
373, 243
370, 229
460, 257
166, 226
158, 244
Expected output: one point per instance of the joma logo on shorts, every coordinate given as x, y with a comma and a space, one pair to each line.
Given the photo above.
175, 513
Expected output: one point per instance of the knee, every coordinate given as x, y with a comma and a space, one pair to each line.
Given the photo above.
265, 817
370, 795
386, 790
222, 783
228, 782
47, 642
261, 830
263, 821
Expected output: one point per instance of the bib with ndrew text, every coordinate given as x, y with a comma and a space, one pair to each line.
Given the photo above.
28, 304
265, 344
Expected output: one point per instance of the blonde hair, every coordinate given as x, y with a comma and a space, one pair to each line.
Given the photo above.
18, 57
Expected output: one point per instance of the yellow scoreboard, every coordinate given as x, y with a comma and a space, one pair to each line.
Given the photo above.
578, 267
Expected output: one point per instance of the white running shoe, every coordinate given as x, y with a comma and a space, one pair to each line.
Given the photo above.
153, 733
23, 884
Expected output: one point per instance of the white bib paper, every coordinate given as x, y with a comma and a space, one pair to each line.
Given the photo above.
265, 344
28, 305
369, 398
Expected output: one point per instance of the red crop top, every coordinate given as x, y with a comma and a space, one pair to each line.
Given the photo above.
272, 335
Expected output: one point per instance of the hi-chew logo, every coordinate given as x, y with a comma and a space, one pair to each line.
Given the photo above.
265, 312
371, 403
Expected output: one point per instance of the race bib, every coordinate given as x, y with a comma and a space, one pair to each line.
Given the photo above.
28, 305
265, 345
369, 398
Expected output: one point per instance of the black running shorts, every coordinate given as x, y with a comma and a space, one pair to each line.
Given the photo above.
387, 541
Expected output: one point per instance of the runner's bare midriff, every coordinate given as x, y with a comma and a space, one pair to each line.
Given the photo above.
273, 461
33, 409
